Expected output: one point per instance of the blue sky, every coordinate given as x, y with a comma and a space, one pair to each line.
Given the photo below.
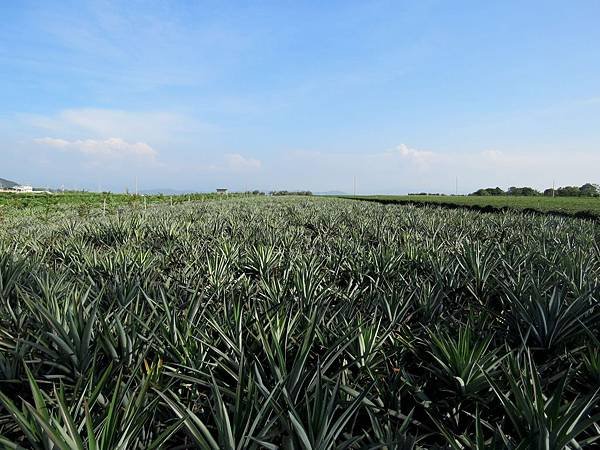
404, 96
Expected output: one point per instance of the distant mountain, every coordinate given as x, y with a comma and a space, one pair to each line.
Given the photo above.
331, 193
7, 184
165, 191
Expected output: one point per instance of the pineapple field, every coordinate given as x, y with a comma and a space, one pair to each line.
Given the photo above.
298, 323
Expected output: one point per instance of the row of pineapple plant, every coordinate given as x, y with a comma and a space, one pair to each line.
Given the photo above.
298, 324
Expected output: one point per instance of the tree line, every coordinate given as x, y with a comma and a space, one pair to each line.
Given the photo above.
586, 190
291, 193
276, 193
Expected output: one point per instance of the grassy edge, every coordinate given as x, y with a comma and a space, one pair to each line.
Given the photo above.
582, 214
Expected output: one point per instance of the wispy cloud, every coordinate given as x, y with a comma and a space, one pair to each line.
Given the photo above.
101, 123
399, 157
421, 158
111, 148
236, 161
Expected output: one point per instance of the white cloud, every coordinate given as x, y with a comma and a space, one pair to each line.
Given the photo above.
419, 157
112, 148
236, 161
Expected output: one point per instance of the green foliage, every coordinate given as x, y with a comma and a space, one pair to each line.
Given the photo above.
489, 191
84, 202
522, 191
298, 323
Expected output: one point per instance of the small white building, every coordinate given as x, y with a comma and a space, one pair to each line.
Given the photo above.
23, 188
222, 191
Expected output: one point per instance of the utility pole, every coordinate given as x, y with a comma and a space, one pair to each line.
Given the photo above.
136, 186
456, 190
553, 188
354, 184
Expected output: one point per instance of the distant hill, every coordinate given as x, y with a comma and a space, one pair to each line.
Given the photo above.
165, 191
331, 193
7, 184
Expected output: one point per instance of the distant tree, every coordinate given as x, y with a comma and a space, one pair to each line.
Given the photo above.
489, 191
513, 190
522, 191
568, 191
589, 190
291, 193
528, 191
